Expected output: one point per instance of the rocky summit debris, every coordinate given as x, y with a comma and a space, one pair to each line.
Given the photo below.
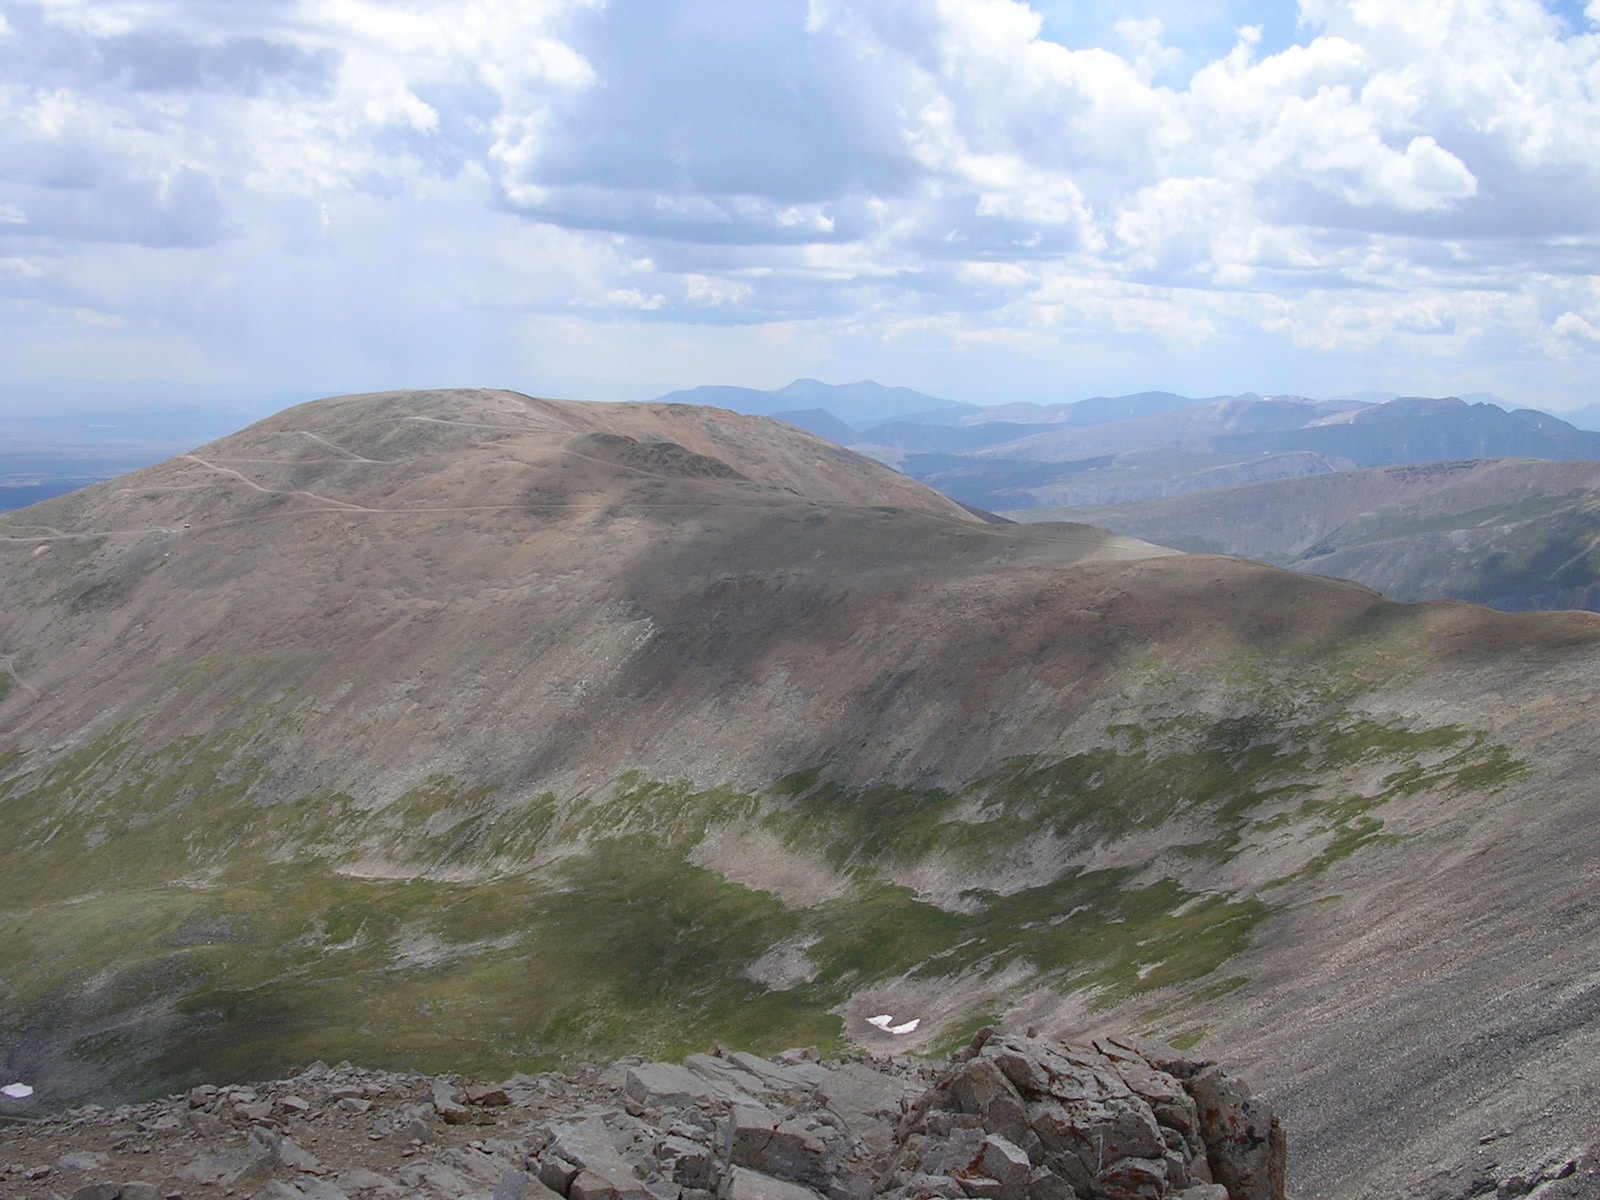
1010, 1117
1022, 1118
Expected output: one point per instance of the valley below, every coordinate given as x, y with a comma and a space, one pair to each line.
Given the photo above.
467, 732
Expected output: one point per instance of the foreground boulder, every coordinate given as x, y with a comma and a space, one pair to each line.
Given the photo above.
1010, 1117
1025, 1118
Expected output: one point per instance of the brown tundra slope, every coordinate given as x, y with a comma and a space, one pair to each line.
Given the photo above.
461, 730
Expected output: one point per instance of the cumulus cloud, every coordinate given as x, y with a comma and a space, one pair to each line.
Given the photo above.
1571, 324
928, 172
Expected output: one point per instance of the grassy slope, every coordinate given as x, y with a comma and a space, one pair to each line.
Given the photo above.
182, 932
1531, 554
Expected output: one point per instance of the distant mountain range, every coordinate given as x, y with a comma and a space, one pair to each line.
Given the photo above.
1587, 417
1124, 449
1339, 487
1216, 443
901, 426
858, 405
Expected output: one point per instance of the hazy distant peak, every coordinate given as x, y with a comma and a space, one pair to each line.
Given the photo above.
1103, 410
858, 404
1542, 421
1587, 417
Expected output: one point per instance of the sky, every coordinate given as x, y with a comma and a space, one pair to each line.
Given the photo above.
985, 200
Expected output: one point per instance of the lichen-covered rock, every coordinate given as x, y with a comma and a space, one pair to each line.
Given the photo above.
980, 1088
1007, 1164
1244, 1142
1026, 1118
1133, 1179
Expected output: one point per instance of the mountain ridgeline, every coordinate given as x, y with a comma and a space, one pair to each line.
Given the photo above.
1514, 534
1418, 498
463, 730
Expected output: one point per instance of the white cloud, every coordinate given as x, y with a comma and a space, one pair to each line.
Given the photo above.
635, 299
1004, 275
1142, 37
21, 268
704, 289
1570, 324
928, 172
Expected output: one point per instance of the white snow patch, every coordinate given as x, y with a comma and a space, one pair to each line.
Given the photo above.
885, 1022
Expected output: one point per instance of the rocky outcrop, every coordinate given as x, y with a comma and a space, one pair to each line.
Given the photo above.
1010, 1117
1024, 1118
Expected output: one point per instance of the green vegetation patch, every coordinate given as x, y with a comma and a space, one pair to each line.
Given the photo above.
1539, 552
1086, 929
1222, 774
173, 928
1416, 519
860, 829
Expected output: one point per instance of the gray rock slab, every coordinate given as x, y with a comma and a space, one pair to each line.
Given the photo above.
360, 1179
980, 1088
589, 1186
435, 1176
855, 1088
759, 1140
225, 1167
450, 1110
730, 1082
588, 1145
519, 1185
296, 1158
485, 1166
688, 1162
1008, 1163
556, 1173
666, 1085
744, 1184
800, 1077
